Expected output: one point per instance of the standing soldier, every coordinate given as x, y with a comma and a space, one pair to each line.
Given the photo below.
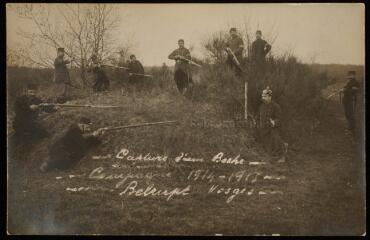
72, 146
101, 81
26, 108
260, 48
235, 45
135, 72
182, 76
268, 127
349, 99
122, 63
61, 74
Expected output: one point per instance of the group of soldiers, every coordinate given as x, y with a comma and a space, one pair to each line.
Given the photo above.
73, 145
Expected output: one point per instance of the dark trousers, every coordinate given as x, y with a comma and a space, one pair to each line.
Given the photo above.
271, 141
101, 82
182, 80
349, 112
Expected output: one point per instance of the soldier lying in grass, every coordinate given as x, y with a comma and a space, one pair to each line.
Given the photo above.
72, 146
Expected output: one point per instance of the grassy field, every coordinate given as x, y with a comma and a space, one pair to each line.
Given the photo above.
318, 191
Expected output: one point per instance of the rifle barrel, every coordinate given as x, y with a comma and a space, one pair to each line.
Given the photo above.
138, 125
79, 105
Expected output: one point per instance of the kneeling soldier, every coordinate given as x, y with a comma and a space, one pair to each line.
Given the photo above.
26, 123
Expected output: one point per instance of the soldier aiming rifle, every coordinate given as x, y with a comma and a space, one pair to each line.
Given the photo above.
183, 76
101, 81
68, 150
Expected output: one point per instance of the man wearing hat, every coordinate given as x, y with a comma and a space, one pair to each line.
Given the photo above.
26, 108
260, 48
135, 67
236, 45
72, 146
183, 77
268, 124
101, 81
350, 92
61, 74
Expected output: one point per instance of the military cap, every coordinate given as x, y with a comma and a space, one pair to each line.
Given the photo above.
258, 32
132, 55
232, 29
60, 50
85, 120
181, 40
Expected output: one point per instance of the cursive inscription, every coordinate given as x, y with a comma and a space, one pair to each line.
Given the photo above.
150, 190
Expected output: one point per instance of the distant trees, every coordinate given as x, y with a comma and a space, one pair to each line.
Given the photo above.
81, 29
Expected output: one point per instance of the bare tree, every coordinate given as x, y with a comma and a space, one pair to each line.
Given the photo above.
81, 29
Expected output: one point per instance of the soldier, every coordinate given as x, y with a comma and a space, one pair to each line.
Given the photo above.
61, 74
235, 45
26, 108
134, 68
349, 99
101, 81
260, 48
72, 146
268, 127
257, 82
183, 77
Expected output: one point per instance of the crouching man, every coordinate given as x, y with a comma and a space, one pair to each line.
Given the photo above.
26, 122
72, 146
268, 127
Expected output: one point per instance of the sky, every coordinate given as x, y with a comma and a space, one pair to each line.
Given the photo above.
323, 33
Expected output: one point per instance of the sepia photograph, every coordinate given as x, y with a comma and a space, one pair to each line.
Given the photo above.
201, 119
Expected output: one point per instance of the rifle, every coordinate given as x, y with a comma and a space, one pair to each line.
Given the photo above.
137, 125
139, 74
234, 58
190, 61
107, 65
77, 105
335, 93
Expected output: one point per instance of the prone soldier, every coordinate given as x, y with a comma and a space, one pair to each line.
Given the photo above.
66, 151
183, 76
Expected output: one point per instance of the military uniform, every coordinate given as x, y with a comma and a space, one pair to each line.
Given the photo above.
61, 75
135, 81
236, 44
26, 125
101, 81
70, 148
268, 135
183, 75
260, 48
349, 101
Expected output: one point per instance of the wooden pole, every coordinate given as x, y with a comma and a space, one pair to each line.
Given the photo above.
246, 101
